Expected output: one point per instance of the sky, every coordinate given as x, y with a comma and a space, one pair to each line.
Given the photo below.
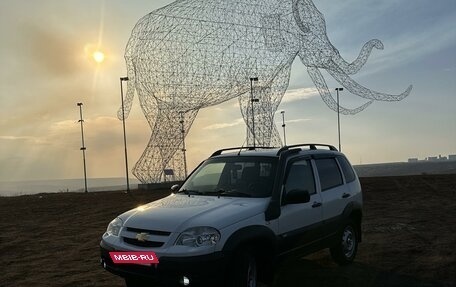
47, 67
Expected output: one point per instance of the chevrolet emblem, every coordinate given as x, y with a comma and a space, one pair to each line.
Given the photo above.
143, 236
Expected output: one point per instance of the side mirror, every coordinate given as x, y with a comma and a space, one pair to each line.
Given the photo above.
175, 188
296, 196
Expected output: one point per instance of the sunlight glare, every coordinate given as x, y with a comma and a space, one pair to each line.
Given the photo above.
98, 56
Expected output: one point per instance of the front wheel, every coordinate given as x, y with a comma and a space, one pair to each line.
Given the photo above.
345, 251
245, 271
135, 282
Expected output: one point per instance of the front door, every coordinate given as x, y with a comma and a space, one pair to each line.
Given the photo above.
300, 224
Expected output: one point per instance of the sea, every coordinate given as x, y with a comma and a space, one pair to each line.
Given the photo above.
16, 188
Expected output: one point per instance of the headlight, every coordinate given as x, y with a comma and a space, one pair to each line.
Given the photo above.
198, 236
114, 227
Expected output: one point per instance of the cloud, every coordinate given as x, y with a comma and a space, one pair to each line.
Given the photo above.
28, 139
224, 125
297, 121
412, 47
299, 94
50, 51
279, 123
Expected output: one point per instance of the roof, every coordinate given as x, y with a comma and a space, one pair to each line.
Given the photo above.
274, 151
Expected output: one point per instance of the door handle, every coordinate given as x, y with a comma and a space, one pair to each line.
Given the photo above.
345, 195
316, 204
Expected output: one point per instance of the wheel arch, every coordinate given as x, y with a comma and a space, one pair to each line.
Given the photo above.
258, 239
353, 211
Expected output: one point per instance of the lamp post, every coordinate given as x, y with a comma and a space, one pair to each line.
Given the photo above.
283, 126
83, 148
252, 100
122, 79
338, 115
183, 142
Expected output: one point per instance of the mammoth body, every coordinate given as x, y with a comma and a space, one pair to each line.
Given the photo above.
193, 54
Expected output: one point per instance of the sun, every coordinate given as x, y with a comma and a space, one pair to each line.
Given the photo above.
98, 56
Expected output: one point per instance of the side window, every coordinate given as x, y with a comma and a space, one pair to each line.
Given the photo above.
346, 169
300, 176
329, 173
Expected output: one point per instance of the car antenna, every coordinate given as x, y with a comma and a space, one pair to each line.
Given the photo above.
240, 149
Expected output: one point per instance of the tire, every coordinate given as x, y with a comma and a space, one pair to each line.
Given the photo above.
345, 251
134, 282
245, 270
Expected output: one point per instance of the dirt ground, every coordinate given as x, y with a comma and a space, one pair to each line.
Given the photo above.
409, 238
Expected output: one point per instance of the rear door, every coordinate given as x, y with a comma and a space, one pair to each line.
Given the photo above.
333, 192
300, 223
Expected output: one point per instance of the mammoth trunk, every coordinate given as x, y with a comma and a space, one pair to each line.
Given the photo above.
358, 63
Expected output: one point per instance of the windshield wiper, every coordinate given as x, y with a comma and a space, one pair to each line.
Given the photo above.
234, 193
190, 192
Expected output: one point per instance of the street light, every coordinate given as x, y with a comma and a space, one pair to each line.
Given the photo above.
283, 126
338, 114
122, 79
83, 148
183, 142
252, 100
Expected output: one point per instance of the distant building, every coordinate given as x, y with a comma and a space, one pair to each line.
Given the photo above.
442, 157
433, 158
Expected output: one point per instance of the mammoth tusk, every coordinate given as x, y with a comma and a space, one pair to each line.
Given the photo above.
361, 91
358, 63
320, 83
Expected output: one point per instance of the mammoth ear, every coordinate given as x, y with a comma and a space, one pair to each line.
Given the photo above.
270, 28
307, 16
295, 9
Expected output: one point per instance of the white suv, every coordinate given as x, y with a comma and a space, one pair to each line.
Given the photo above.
240, 212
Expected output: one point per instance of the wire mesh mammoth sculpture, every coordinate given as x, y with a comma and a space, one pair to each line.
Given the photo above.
193, 54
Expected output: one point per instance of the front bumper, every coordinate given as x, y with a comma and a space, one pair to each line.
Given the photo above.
201, 270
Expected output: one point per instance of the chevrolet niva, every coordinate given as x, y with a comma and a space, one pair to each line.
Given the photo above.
240, 212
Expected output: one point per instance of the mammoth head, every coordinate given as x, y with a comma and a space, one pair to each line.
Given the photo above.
316, 52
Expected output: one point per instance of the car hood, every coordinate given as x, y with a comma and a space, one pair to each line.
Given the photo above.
178, 212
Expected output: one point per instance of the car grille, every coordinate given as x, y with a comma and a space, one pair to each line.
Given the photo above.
151, 232
143, 243
146, 243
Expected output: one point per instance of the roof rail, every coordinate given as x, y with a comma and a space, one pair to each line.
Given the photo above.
219, 152
312, 146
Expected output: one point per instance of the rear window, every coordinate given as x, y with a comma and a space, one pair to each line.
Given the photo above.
329, 173
346, 169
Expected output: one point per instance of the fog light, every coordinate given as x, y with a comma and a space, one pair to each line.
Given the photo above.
185, 281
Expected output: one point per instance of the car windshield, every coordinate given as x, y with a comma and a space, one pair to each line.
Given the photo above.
237, 176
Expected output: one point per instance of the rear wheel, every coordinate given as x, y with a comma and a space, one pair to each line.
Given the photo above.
345, 251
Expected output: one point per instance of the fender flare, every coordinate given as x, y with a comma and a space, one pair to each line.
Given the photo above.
353, 210
249, 234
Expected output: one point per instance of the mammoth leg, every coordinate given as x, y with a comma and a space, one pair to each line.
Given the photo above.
269, 95
131, 83
162, 159
325, 94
